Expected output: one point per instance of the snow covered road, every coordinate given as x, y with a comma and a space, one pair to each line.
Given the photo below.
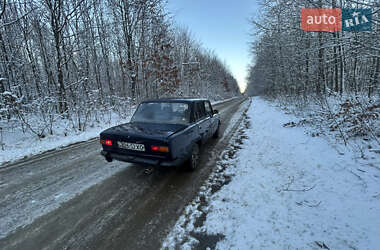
284, 190
73, 199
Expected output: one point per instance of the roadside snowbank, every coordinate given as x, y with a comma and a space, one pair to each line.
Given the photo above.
288, 190
19, 145
225, 100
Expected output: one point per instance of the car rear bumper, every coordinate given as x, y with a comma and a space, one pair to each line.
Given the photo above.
141, 160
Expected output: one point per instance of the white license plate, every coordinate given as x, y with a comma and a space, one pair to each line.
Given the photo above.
131, 146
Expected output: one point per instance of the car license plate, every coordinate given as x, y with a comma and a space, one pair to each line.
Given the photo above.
131, 146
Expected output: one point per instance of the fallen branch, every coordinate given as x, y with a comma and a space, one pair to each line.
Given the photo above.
372, 165
376, 195
307, 203
300, 190
322, 245
375, 150
335, 121
291, 182
359, 177
296, 190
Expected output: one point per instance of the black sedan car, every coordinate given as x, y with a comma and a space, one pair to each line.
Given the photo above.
164, 132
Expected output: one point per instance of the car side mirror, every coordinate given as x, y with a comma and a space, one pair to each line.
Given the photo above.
216, 111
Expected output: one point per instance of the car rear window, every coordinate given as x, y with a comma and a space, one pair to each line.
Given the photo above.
162, 112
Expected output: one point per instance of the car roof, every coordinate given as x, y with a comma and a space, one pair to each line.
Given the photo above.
182, 99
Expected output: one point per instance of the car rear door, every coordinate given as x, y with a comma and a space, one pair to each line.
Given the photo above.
202, 120
213, 124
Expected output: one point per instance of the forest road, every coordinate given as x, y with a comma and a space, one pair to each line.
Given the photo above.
130, 209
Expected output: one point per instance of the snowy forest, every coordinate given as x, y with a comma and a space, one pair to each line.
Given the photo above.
332, 75
72, 63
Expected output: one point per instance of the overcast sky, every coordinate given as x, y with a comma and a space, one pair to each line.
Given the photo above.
220, 25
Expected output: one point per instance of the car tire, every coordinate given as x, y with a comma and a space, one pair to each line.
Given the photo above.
217, 132
193, 161
108, 158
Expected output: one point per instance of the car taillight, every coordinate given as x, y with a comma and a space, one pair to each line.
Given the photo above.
106, 142
162, 149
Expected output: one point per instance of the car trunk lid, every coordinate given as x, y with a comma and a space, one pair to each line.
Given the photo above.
127, 136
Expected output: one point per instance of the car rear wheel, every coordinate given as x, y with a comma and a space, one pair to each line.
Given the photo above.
217, 132
108, 158
193, 162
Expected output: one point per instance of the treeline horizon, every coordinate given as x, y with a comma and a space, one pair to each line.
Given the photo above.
72, 59
289, 61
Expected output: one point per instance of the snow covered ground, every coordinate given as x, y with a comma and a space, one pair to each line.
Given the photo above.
277, 187
18, 144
